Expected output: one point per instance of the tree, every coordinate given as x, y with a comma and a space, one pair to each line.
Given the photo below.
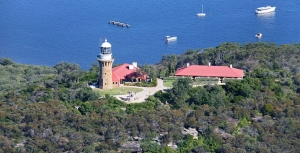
150, 147
180, 91
213, 143
268, 109
94, 68
68, 71
253, 82
217, 97
200, 97
167, 149
168, 63
296, 79
149, 70
6, 61
162, 96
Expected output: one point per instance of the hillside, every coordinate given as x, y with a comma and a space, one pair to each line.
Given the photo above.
38, 106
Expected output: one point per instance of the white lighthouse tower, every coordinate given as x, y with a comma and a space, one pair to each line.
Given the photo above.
105, 60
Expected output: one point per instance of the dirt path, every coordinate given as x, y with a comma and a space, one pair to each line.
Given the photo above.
141, 96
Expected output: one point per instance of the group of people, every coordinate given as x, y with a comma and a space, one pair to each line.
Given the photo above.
129, 98
131, 95
136, 98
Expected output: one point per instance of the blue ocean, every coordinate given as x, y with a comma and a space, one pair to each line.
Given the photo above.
51, 31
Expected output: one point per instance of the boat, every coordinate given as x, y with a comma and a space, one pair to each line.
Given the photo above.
169, 38
201, 14
121, 24
268, 16
266, 9
258, 35
111, 22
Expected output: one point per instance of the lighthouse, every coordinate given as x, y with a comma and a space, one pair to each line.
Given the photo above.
105, 60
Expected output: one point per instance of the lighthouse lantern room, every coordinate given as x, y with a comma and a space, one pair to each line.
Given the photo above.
105, 60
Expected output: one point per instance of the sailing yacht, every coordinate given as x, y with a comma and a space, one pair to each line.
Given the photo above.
201, 14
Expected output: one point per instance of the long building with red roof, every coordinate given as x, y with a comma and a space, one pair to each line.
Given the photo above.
209, 71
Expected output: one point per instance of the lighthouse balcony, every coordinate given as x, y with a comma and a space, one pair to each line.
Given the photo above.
105, 57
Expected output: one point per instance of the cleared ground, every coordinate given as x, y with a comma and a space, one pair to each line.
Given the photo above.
118, 91
139, 97
168, 83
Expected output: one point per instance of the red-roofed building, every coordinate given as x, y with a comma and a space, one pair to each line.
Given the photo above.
209, 71
126, 72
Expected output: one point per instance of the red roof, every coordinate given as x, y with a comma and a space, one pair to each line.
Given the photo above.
209, 71
121, 71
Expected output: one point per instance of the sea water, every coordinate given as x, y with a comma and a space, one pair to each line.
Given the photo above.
51, 31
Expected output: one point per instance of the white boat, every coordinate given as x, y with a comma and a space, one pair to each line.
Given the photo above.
168, 38
258, 35
265, 9
201, 14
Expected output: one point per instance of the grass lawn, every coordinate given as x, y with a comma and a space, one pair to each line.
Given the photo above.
117, 91
168, 83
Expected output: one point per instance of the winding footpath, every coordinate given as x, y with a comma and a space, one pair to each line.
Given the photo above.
142, 95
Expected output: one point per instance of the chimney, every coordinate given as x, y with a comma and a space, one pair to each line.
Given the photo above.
130, 67
187, 64
209, 64
134, 64
230, 66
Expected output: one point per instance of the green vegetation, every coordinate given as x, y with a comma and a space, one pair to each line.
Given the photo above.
205, 81
51, 109
151, 83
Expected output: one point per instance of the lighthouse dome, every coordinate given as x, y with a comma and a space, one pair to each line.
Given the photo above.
106, 44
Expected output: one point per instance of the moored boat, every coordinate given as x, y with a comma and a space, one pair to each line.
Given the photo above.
169, 38
265, 9
258, 35
201, 14
121, 24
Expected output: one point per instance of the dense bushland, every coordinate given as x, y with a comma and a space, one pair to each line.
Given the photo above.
38, 106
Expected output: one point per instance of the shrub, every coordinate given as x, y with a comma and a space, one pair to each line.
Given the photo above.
268, 108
